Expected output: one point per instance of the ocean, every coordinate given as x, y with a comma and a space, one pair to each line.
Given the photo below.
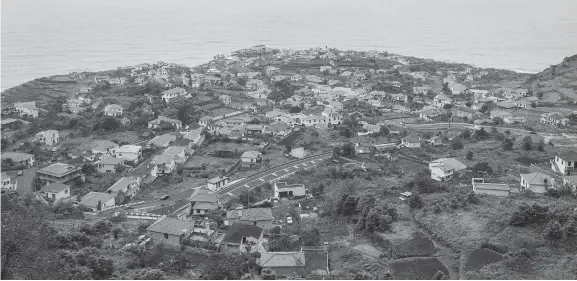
48, 37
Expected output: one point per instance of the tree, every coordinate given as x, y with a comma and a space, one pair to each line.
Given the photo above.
469, 155
468, 104
415, 201
541, 145
456, 144
384, 131
570, 228
533, 104
119, 168
268, 274
553, 232
109, 123
527, 143
540, 95
484, 108
295, 109
507, 144
481, 134
447, 106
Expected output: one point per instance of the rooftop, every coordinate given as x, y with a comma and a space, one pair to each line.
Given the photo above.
58, 169
282, 259
111, 161
55, 187
257, 214
238, 230
172, 226
536, 178
203, 195
285, 185
217, 179
91, 199
447, 164
129, 148
251, 154
569, 156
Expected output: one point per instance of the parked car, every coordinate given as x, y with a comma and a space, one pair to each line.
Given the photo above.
20, 173
308, 196
289, 220
165, 197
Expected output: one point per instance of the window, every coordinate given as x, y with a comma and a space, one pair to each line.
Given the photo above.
166, 236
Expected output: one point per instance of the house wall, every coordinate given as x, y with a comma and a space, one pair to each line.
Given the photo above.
160, 237
107, 168
493, 192
265, 224
288, 270
58, 195
128, 156
297, 191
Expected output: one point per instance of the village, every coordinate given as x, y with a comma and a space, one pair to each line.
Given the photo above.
315, 163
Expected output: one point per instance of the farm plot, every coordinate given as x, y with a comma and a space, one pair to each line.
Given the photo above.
330, 230
418, 246
481, 257
417, 268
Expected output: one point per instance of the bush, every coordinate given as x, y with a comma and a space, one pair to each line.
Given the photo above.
415, 201
149, 274
526, 215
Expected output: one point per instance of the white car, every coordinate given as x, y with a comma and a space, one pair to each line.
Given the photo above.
289, 220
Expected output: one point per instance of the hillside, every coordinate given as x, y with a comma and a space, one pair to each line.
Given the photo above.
556, 82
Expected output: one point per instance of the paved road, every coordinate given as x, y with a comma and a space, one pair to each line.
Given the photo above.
25, 182
271, 174
460, 126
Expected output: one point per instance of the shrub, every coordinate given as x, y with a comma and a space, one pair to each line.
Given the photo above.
495, 247
525, 215
149, 274
415, 201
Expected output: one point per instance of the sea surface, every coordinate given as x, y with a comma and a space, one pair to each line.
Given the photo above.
48, 37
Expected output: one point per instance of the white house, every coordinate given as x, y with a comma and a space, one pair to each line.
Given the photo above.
564, 164
164, 164
411, 142
56, 191
108, 164
441, 99
26, 108
98, 201
48, 137
536, 182
282, 189
446, 169
157, 123
217, 183
113, 110
129, 152
173, 93
127, 185
251, 159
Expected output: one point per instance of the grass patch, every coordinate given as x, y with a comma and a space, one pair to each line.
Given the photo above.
417, 268
481, 257
418, 246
